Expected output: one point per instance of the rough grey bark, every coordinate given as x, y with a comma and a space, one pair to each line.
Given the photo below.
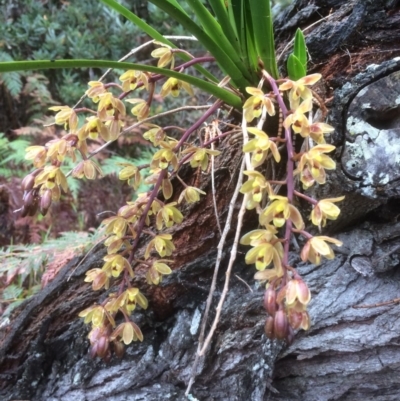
348, 354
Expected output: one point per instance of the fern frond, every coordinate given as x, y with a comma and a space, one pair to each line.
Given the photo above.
5, 57
8, 172
17, 149
110, 165
12, 292
12, 156
11, 80
74, 186
19, 261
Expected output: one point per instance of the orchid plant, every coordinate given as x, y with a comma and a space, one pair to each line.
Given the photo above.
238, 36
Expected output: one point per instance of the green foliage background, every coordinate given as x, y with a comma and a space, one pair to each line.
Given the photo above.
53, 29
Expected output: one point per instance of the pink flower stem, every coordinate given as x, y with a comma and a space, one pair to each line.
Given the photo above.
85, 109
304, 233
307, 198
114, 85
197, 60
163, 174
289, 168
198, 123
171, 127
142, 220
290, 191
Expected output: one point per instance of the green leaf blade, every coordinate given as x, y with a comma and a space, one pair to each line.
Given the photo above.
221, 93
295, 68
225, 23
153, 33
262, 22
228, 60
12, 82
300, 48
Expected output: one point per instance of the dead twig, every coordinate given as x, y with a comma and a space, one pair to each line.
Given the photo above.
214, 132
227, 276
244, 282
214, 279
87, 254
391, 302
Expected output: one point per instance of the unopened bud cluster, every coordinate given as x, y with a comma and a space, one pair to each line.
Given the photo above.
286, 317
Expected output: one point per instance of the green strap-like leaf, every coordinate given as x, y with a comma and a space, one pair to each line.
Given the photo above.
220, 93
300, 49
295, 68
213, 29
225, 22
237, 19
233, 18
252, 54
223, 59
176, 4
153, 33
262, 23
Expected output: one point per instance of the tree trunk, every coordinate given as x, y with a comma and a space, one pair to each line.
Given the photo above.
348, 354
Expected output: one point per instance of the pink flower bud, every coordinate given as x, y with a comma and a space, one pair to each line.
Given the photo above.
102, 346
297, 290
303, 292
29, 198
305, 321
269, 327
28, 182
24, 211
280, 324
93, 350
270, 301
295, 319
45, 202
31, 204
119, 348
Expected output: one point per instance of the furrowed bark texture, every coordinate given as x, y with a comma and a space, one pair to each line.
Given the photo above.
348, 354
